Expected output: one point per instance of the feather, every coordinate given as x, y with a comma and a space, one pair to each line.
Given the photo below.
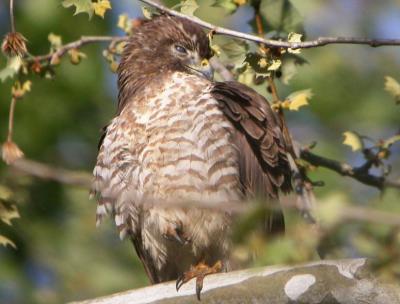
264, 167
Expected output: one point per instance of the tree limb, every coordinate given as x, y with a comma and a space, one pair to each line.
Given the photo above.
321, 41
339, 282
345, 169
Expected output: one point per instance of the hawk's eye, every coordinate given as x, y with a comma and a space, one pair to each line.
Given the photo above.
180, 49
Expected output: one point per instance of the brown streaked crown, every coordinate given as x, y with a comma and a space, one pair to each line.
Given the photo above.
147, 54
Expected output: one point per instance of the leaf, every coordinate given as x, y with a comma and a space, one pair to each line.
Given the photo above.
263, 62
188, 7
294, 38
12, 68
123, 23
353, 140
390, 141
55, 40
75, 56
393, 87
229, 5
236, 52
274, 65
7, 214
5, 241
101, 6
81, 6
281, 15
5, 193
19, 90
289, 66
148, 12
299, 99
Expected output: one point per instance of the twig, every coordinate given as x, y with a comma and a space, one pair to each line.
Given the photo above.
347, 170
40, 170
12, 22
11, 119
321, 41
84, 179
76, 44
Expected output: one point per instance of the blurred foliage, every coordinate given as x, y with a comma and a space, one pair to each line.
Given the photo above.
59, 254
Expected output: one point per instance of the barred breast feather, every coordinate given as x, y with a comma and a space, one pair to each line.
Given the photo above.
167, 148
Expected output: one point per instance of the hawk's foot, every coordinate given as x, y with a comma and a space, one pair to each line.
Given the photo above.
199, 272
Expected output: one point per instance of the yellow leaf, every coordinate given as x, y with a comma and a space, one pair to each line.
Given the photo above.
353, 140
263, 62
299, 99
123, 23
55, 40
393, 87
390, 141
276, 64
5, 241
147, 12
101, 6
294, 38
8, 213
26, 87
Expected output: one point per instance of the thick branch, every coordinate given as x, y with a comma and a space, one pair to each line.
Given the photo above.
344, 169
276, 43
341, 282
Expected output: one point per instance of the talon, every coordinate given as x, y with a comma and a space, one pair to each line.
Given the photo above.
199, 286
178, 283
199, 272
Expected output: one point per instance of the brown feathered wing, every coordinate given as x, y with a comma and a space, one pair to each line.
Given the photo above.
263, 163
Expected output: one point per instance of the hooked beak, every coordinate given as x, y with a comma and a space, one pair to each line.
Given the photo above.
203, 68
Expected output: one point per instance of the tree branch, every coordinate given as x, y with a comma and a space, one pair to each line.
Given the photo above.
43, 171
321, 41
341, 282
75, 45
345, 169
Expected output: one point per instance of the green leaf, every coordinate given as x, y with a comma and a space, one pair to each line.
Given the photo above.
229, 5
289, 66
353, 140
5, 241
299, 99
393, 87
12, 68
188, 7
81, 6
282, 16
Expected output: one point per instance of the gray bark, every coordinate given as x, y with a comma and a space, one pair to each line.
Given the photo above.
323, 282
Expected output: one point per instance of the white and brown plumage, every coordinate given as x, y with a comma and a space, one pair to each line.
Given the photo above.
179, 137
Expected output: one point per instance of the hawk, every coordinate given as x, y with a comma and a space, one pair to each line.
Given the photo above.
180, 140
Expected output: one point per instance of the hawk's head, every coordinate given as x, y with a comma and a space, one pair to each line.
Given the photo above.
165, 44
159, 46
